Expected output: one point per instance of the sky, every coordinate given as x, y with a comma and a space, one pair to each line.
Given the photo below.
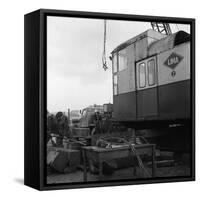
75, 77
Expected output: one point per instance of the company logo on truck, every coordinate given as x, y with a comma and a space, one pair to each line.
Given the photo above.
173, 60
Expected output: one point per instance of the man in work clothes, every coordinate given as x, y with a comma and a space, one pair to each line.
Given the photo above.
97, 121
62, 127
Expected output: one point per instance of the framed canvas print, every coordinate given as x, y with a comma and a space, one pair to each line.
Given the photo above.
109, 99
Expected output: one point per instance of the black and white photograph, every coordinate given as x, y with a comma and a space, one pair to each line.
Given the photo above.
118, 100
99, 100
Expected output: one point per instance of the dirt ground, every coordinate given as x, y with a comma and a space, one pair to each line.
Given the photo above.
127, 173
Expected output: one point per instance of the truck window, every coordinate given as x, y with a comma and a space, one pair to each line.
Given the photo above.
115, 63
142, 75
151, 72
122, 56
115, 84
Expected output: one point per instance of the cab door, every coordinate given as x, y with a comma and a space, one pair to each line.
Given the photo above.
146, 86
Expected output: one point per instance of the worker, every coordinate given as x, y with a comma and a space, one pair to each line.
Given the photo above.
48, 127
98, 122
51, 129
106, 122
62, 127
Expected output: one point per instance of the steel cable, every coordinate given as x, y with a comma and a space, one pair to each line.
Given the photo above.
134, 151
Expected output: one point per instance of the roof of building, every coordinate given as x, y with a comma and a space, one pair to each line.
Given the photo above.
168, 42
161, 43
148, 33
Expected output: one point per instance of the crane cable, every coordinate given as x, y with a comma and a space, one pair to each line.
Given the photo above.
105, 67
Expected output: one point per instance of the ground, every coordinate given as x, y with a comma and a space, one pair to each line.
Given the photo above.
127, 173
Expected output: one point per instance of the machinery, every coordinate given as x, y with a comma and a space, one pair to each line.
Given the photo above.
151, 85
87, 115
161, 27
151, 77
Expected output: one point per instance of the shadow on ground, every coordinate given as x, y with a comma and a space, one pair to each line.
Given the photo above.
19, 181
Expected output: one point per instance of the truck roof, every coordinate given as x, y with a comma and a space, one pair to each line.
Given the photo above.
148, 33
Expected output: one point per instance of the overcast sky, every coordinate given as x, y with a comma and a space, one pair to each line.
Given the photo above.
75, 77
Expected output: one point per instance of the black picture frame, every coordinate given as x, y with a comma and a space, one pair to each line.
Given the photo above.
35, 87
